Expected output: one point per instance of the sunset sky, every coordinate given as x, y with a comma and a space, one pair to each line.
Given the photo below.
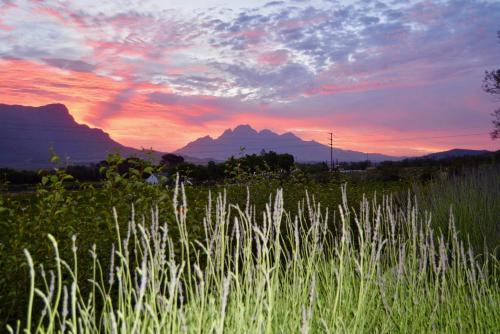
395, 77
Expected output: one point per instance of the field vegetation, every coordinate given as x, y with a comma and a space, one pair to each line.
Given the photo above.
298, 250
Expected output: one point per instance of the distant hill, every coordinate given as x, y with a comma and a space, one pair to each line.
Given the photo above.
457, 152
27, 133
231, 142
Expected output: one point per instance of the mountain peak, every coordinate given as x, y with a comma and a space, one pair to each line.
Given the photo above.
204, 139
57, 107
59, 111
55, 114
226, 133
289, 135
266, 132
33, 130
244, 129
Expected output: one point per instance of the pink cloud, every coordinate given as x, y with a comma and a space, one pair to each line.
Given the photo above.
278, 57
5, 27
4, 8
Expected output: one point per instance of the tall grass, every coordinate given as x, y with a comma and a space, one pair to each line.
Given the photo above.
376, 268
474, 198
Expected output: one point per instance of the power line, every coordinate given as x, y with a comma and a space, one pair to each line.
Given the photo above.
426, 137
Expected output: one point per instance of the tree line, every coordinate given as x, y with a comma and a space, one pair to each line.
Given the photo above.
266, 164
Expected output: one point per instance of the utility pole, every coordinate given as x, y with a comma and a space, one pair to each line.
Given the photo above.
331, 151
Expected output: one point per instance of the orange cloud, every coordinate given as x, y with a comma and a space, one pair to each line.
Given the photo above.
92, 99
124, 109
32, 83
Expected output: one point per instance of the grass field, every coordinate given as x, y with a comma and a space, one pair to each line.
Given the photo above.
271, 261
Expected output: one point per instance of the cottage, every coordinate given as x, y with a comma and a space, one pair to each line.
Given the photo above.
153, 179
157, 178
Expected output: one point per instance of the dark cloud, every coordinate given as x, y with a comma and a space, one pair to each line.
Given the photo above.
274, 3
72, 65
164, 98
369, 20
365, 37
26, 51
285, 81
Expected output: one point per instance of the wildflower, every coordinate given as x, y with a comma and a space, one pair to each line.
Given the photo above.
112, 266
64, 308
225, 294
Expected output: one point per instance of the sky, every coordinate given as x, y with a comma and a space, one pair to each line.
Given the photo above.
397, 77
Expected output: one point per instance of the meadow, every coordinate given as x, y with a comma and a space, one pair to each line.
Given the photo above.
340, 255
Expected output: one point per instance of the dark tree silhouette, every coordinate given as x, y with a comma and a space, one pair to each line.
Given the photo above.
491, 85
171, 160
491, 82
496, 124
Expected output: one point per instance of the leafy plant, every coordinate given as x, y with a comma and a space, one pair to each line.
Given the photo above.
380, 269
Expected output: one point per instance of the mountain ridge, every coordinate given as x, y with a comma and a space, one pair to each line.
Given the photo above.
243, 139
27, 134
455, 152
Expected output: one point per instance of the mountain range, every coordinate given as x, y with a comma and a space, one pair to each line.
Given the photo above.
457, 152
245, 140
28, 133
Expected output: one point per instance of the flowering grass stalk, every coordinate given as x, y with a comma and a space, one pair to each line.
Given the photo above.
379, 268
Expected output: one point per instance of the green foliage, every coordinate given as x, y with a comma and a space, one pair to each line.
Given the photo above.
63, 206
377, 269
268, 165
239, 170
474, 198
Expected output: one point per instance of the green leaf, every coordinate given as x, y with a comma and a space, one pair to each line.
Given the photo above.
54, 158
